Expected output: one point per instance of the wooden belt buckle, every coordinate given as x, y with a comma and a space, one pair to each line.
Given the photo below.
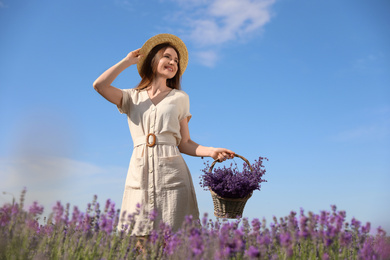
152, 143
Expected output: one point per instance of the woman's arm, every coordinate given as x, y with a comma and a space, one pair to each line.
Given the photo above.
103, 83
189, 147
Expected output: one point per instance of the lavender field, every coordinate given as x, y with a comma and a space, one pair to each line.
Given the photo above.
72, 234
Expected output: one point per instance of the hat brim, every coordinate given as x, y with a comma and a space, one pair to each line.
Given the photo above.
165, 38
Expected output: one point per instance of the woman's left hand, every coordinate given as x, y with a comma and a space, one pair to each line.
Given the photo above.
221, 154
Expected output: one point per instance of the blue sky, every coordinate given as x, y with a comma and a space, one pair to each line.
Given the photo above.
304, 83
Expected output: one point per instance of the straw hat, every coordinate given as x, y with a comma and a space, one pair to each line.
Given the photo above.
165, 38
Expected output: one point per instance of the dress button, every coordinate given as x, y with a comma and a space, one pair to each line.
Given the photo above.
153, 108
150, 171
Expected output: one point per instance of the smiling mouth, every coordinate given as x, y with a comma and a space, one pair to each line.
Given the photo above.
169, 68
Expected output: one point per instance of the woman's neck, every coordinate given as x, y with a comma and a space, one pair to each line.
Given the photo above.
158, 85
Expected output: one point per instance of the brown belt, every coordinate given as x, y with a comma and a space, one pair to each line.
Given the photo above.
152, 140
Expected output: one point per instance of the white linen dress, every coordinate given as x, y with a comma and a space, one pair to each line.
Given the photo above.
158, 177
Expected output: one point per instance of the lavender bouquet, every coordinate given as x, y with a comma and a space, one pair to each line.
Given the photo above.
231, 182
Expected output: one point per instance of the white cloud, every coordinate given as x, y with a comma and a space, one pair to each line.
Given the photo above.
190, 3
206, 58
226, 20
39, 157
210, 24
125, 3
363, 133
49, 179
378, 129
373, 64
365, 62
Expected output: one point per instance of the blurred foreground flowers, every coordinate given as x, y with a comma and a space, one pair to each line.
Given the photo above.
94, 235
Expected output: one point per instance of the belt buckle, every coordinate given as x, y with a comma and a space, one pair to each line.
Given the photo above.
154, 140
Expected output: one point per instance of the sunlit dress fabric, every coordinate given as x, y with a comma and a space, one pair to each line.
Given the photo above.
158, 178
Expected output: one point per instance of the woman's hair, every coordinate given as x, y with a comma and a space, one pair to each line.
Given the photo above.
149, 68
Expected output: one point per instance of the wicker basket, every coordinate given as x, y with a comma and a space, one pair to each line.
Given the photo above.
229, 207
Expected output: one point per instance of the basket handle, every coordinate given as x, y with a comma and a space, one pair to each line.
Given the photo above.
235, 155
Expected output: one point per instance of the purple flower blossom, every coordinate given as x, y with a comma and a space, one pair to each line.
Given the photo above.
327, 236
106, 224
5, 214
285, 239
153, 236
264, 239
48, 230
58, 210
381, 245
205, 219
196, 242
355, 224
172, 242
35, 209
252, 252
111, 212
107, 206
325, 256
366, 228
15, 210
153, 215
256, 224
232, 183
75, 216
188, 219
86, 223
345, 238
367, 252
303, 232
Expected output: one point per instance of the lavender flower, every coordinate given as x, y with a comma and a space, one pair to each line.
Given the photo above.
232, 183
308, 236
252, 252
35, 209
325, 256
58, 210
106, 224
285, 239
153, 215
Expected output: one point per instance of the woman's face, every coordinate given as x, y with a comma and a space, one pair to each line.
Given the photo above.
168, 64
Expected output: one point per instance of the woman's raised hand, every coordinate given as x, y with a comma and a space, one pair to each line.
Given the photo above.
133, 57
103, 83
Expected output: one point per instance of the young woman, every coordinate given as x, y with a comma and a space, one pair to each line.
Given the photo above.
158, 114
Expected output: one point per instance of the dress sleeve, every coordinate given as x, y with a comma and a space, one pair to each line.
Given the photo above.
185, 107
126, 101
